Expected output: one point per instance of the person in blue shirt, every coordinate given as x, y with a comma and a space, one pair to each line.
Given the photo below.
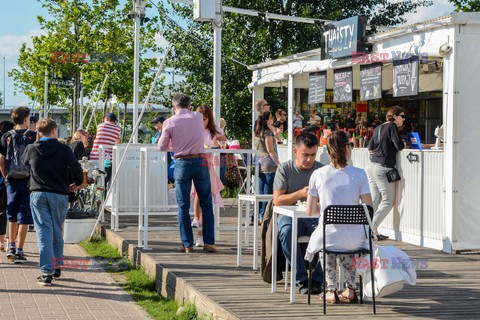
158, 123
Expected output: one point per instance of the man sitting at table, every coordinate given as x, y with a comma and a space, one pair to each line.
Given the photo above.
291, 185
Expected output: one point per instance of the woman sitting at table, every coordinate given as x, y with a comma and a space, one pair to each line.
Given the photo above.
212, 135
338, 184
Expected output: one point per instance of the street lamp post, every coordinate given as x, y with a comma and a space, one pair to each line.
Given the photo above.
4, 93
137, 15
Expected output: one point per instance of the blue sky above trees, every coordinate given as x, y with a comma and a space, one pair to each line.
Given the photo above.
18, 24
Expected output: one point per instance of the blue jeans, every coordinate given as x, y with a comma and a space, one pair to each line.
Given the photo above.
49, 211
266, 187
186, 171
305, 227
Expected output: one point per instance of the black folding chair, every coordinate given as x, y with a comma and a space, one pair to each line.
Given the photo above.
345, 215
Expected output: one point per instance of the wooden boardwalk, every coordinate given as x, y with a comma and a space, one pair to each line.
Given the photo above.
448, 289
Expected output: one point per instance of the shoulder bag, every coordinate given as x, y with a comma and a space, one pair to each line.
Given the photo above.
392, 175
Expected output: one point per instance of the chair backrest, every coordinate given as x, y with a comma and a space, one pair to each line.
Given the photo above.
352, 214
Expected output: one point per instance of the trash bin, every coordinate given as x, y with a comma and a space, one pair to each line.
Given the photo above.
78, 225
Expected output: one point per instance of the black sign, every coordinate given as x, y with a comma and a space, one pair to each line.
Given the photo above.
371, 82
405, 78
316, 88
62, 82
344, 37
343, 85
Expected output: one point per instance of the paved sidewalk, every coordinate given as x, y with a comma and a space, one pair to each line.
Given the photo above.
77, 294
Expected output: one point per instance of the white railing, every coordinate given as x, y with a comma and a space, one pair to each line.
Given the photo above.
145, 207
418, 216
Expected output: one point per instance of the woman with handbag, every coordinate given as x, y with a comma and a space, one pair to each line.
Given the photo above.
338, 184
382, 172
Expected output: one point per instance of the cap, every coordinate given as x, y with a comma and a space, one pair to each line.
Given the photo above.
158, 119
33, 119
111, 116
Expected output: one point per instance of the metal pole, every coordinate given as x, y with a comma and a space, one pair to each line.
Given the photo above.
136, 63
4, 93
81, 102
217, 61
135, 128
45, 96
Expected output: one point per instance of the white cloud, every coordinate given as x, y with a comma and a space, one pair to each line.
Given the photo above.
437, 9
10, 49
10, 45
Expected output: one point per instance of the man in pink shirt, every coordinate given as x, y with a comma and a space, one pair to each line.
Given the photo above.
184, 134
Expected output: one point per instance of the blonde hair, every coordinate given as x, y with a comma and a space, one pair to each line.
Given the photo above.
77, 136
223, 123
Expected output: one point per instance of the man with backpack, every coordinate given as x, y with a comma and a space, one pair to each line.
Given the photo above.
12, 147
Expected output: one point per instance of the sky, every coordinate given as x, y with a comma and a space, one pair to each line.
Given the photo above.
18, 23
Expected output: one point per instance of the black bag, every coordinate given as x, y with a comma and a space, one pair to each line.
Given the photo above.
393, 175
14, 165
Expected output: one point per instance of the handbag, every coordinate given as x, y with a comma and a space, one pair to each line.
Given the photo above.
392, 175
388, 278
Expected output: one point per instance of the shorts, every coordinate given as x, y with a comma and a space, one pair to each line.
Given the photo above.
18, 202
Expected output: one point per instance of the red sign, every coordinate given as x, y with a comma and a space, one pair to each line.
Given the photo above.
362, 107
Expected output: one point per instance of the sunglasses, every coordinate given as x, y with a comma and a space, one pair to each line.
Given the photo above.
402, 115
349, 144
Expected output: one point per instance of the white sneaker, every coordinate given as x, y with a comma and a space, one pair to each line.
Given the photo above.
199, 242
195, 223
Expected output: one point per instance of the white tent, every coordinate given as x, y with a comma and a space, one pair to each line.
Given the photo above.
442, 209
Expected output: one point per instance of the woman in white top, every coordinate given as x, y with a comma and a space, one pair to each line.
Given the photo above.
338, 184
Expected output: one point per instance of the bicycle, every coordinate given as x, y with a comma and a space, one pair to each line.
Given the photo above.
90, 198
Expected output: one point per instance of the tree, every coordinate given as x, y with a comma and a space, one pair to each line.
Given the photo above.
466, 5
253, 40
97, 27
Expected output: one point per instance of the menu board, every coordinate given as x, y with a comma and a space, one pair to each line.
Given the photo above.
371, 82
343, 85
405, 78
316, 88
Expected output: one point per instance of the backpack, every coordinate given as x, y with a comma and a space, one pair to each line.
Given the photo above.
14, 165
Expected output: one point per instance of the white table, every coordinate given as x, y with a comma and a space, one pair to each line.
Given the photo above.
255, 199
293, 212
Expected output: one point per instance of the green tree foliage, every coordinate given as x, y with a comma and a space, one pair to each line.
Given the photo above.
80, 26
466, 5
253, 40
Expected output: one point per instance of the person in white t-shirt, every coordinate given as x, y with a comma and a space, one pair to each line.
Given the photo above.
338, 184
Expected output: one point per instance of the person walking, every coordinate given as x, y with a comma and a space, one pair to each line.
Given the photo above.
184, 132
383, 147
51, 164
5, 126
211, 136
17, 174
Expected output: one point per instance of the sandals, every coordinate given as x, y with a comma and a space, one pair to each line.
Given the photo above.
333, 300
345, 296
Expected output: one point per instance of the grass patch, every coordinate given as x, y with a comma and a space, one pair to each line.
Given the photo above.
138, 284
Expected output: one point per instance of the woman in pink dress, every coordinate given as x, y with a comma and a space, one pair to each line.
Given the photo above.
212, 135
